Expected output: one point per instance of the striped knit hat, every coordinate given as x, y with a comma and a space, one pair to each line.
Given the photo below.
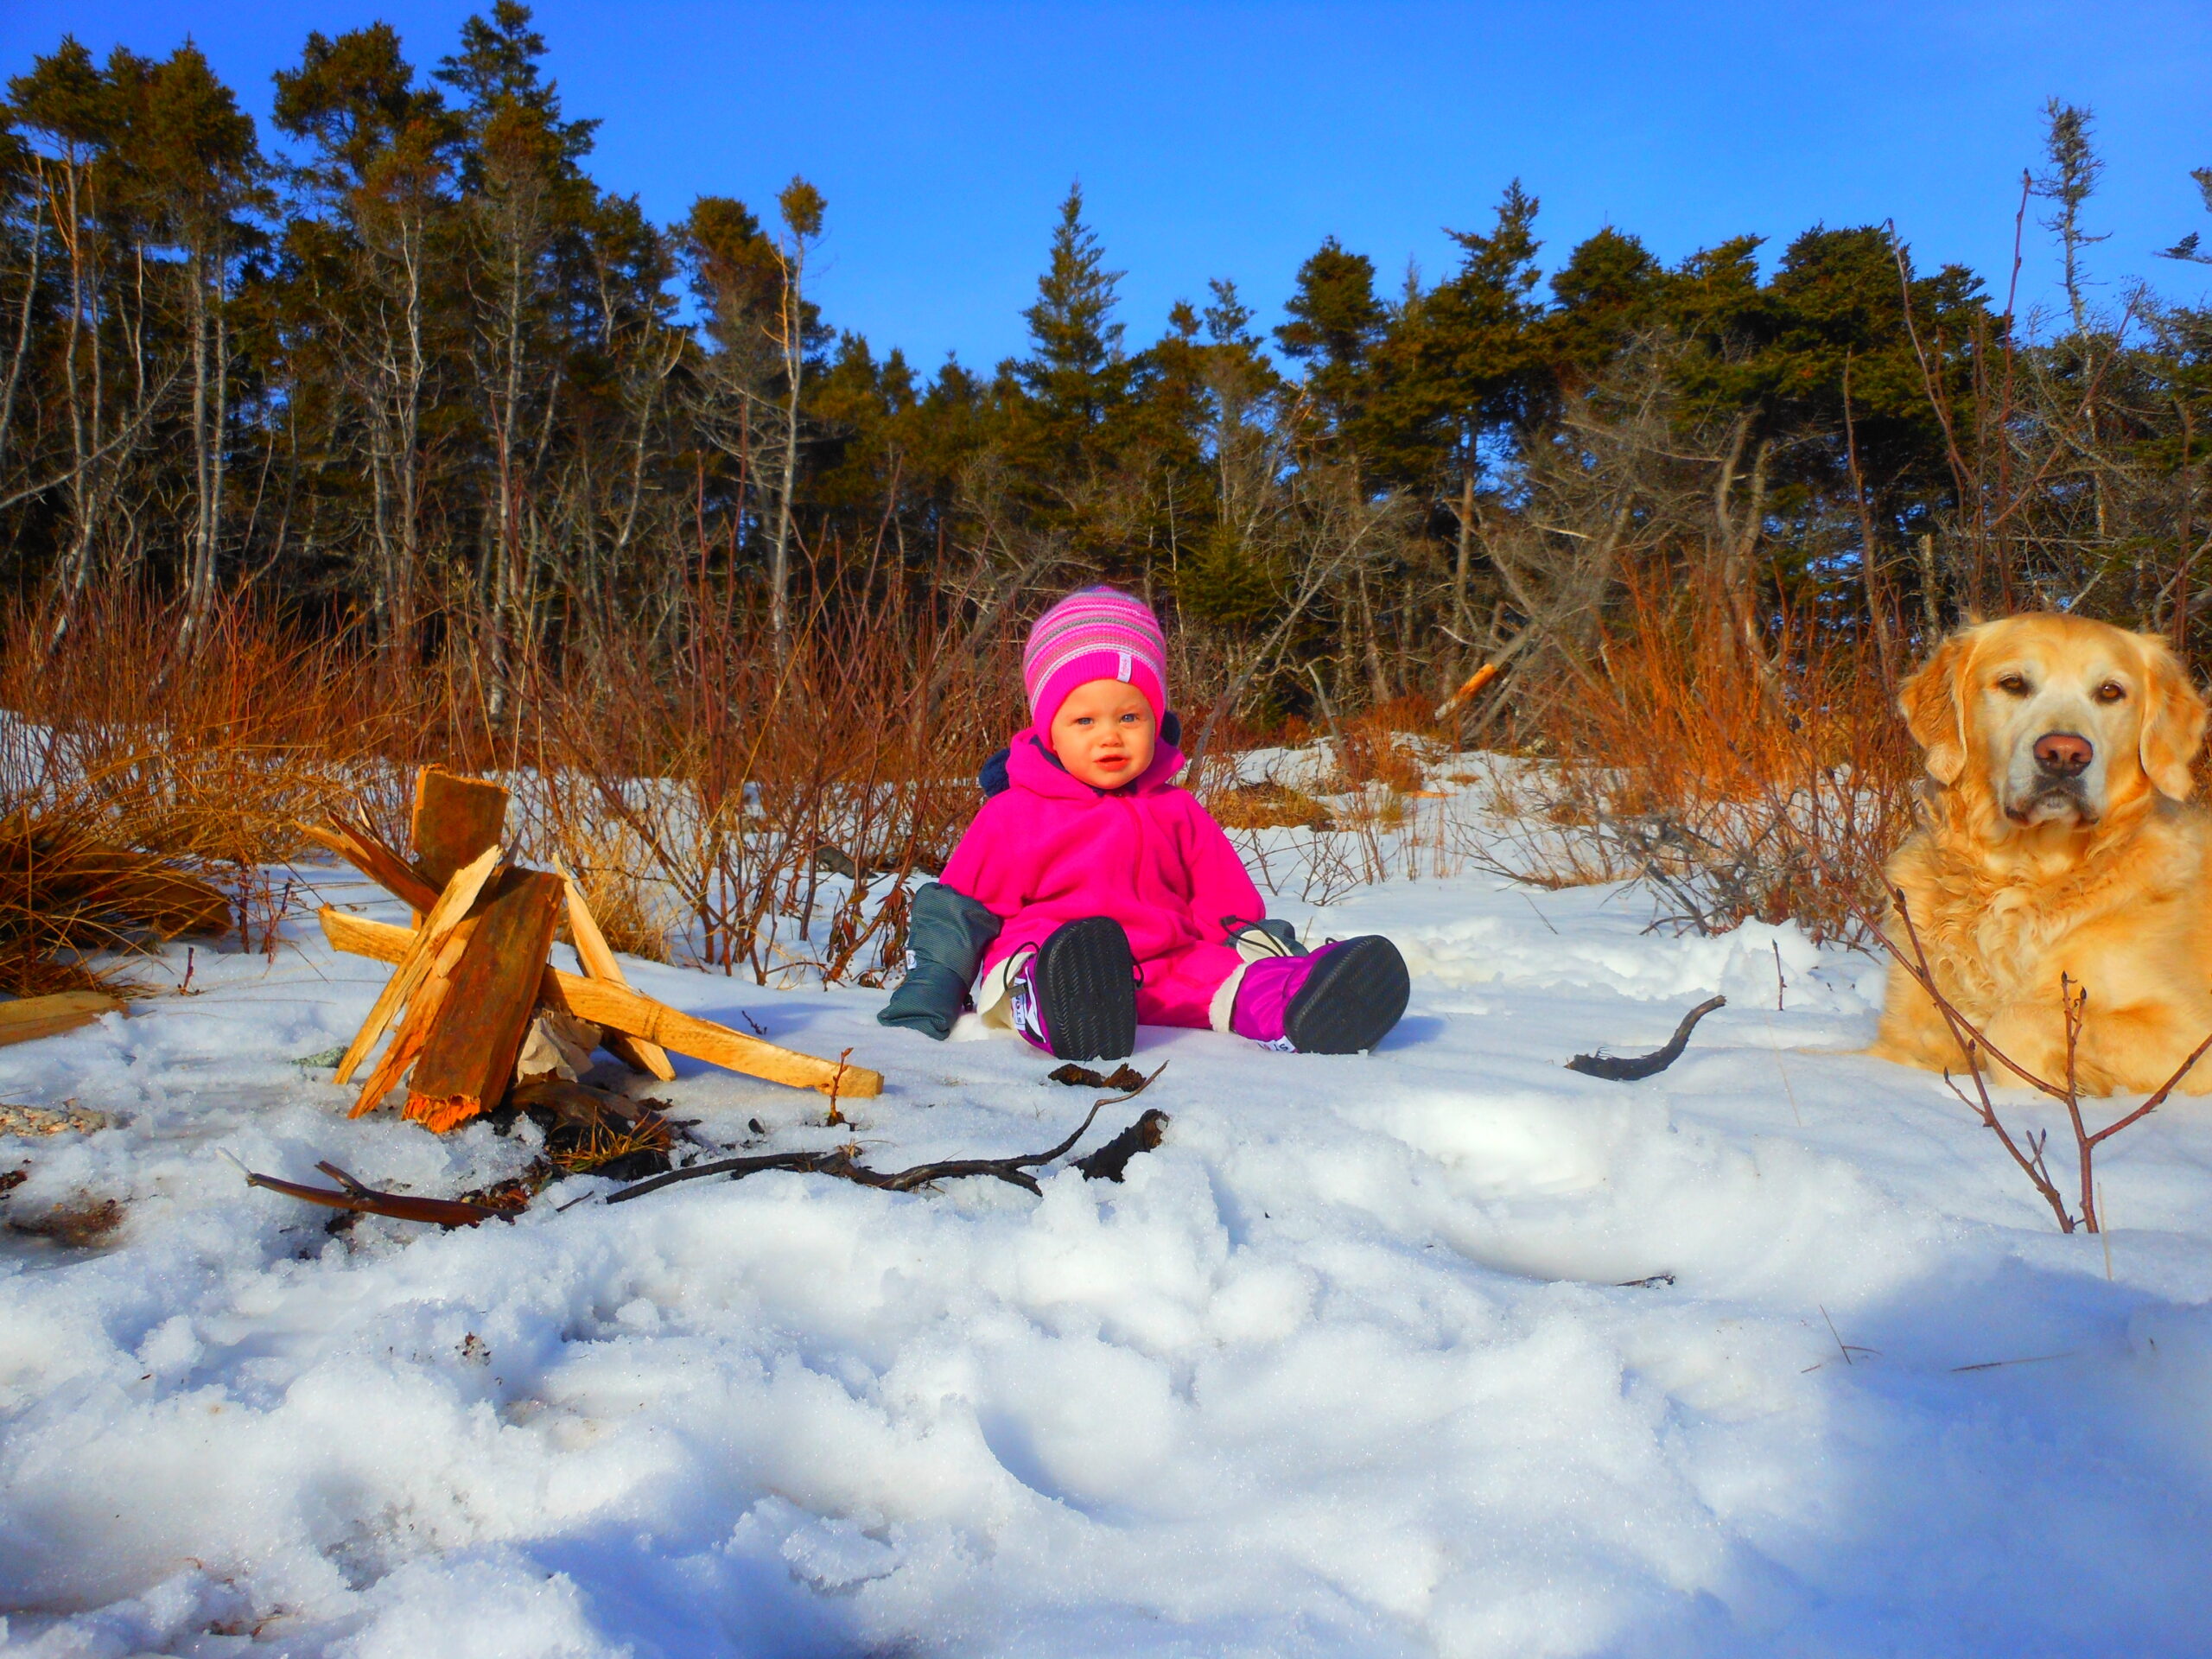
1095, 633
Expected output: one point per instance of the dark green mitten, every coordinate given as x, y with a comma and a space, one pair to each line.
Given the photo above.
947, 933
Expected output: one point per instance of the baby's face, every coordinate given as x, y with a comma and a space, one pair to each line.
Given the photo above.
1105, 734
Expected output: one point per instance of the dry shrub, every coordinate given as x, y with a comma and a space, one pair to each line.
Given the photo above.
613, 867
700, 791
1370, 754
1268, 805
737, 789
133, 773
1769, 786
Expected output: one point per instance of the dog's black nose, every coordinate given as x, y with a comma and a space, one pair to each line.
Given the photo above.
2063, 753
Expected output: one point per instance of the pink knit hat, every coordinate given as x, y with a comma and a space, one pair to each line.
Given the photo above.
1095, 633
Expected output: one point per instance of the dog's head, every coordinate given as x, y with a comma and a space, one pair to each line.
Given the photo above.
2055, 718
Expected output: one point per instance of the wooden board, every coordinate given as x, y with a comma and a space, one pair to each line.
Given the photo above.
455, 819
374, 860
599, 963
406, 1046
639, 1016
444, 916
702, 1039
468, 1061
30, 1017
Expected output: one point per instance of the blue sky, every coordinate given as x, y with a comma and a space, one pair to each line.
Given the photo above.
1227, 140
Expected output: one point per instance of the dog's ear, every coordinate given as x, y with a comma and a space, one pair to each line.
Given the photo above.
1934, 711
2173, 719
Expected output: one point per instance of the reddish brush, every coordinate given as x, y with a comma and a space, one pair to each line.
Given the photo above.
1745, 786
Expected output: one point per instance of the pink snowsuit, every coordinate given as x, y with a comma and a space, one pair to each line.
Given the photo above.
1050, 850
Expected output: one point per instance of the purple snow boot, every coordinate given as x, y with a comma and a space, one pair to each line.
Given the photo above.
1344, 999
1075, 998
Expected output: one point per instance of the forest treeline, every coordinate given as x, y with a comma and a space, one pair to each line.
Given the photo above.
402, 366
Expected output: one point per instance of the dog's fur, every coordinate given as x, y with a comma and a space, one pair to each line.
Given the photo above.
2019, 873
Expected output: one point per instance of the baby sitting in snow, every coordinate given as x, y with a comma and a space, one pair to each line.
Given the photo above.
1091, 893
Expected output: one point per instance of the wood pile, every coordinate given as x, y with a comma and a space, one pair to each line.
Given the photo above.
472, 993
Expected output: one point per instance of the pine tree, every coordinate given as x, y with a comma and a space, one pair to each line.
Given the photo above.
1609, 289
1463, 364
1336, 322
1075, 369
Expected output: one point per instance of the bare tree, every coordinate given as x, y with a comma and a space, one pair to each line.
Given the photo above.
801, 206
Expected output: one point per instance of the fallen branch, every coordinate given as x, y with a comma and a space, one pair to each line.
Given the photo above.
1623, 1068
368, 1201
1474, 682
841, 1163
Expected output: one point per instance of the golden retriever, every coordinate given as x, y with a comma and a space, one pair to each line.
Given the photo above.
2058, 839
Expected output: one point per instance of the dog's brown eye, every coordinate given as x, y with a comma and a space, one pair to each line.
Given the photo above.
2014, 684
2111, 691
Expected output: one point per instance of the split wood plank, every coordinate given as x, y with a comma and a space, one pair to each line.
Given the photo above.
394, 874
406, 1046
640, 1016
456, 819
468, 1061
625, 1011
31, 1017
429, 938
599, 964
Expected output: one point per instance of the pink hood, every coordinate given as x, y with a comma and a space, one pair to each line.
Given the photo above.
1050, 849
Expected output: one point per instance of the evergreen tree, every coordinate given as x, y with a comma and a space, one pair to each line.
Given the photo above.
1336, 322
1609, 288
1075, 370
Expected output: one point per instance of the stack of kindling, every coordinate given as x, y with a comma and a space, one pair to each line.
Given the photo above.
472, 992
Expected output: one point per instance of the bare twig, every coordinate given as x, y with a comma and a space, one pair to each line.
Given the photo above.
368, 1201
1630, 1068
1994, 1365
1973, 1044
839, 1162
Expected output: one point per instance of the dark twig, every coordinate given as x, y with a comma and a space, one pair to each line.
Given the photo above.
1847, 1349
2158, 1097
1973, 1044
1994, 1365
1629, 1068
839, 1163
2074, 1009
2073, 1002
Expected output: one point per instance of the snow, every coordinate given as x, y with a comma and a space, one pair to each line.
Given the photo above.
1374, 1355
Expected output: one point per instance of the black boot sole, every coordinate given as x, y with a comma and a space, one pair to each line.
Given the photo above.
1351, 1001
1086, 985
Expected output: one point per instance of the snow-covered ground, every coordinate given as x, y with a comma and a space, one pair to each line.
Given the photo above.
1443, 1350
